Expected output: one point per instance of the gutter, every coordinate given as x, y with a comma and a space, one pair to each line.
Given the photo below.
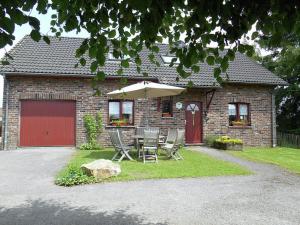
77, 75
273, 120
6, 89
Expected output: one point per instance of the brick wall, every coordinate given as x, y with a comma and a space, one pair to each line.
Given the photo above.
80, 90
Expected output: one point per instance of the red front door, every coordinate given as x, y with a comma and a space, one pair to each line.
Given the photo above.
193, 122
47, 123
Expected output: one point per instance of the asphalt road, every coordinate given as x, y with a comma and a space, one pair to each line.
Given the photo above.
29, 196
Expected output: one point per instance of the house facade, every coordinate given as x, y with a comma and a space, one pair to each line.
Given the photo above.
45, 99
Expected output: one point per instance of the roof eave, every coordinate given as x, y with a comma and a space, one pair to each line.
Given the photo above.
75, 75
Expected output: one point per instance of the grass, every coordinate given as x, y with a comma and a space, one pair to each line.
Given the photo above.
195, 164
288, 158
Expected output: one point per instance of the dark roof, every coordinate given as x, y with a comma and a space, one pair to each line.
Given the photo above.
58, 58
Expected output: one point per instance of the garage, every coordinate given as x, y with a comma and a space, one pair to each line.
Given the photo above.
47, 123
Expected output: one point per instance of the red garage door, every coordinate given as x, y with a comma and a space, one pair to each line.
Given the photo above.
47, 123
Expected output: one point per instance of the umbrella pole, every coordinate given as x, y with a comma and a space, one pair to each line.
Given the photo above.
147, 108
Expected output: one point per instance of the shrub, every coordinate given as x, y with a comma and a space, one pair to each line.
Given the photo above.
93, 126
90, 146
209, 140
73, 177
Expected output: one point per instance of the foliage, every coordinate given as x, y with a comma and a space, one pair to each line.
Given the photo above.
210, 139
286, 65
288, 158
74, 176
124, 27
195, 164
90, 146
93, 126
226, 139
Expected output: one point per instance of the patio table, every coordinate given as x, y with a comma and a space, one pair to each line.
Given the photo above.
140, 138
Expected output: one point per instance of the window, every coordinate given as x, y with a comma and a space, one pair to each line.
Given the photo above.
168, 59
120, 113
112, 58
167, 106
239, 114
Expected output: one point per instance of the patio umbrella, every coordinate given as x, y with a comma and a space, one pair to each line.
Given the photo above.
145, 89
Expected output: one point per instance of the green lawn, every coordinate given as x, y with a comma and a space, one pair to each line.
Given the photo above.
195, 164
288, 158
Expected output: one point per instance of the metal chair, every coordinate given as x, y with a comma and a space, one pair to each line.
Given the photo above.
173, 149
120, 148
150, 146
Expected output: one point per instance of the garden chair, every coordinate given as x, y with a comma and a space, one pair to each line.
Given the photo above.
121, 149
150, 146
139, 141
171, 137
173, 149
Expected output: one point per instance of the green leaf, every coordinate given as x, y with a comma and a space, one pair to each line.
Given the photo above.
92, 51
35, 35
241, 48
18, 17
224, 64
125, 63
7, 24
112, 34
100, 57
231, 54
94, 66
155, 49
34, 22
210, 60
190, 84
100, 76
196, 69
254, 35
138, 61
120, 71
5, 63
82, 62
217, 72
46, 39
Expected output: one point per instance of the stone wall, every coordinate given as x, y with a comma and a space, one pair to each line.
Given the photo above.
79, 89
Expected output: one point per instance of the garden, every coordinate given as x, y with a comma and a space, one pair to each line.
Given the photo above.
195, 164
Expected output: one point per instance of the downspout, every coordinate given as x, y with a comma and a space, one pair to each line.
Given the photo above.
273, 119
6, 90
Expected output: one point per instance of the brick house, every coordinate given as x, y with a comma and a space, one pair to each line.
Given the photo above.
46, 97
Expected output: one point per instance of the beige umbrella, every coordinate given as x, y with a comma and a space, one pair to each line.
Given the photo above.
145, 89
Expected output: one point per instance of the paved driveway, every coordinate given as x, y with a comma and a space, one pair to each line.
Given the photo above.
28, 195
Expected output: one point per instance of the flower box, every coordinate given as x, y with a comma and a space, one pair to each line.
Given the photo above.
228, 146
227, 143
166, 115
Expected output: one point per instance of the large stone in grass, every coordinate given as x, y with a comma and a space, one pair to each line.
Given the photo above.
101, 169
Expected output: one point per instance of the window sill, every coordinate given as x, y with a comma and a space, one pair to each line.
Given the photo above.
167, 117
240, 127
127, 126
